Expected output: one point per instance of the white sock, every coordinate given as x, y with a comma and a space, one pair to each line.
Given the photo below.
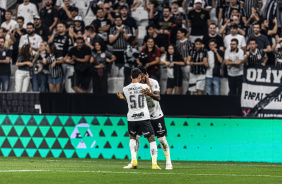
137, 146
165, 148
154, 152
132, 146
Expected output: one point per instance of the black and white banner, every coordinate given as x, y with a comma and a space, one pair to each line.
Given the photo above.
262, 92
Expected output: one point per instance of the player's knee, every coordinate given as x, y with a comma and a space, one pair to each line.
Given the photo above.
132, 137
151, 138
162, 139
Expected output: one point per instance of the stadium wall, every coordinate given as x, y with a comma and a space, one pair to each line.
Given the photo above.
190, 139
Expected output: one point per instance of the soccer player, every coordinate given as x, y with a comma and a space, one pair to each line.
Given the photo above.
138, 116
156, 114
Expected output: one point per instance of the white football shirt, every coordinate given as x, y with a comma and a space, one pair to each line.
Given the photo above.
137, 104
11, 25
34, 40
154, 105
27, 12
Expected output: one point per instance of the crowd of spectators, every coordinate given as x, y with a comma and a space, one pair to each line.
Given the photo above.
55, 51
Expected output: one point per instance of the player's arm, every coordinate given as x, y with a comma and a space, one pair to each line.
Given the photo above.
155, 94
120, 96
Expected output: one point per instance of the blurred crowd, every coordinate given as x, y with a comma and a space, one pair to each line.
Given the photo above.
55, 51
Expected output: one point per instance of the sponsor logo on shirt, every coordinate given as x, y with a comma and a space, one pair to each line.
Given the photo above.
138, 115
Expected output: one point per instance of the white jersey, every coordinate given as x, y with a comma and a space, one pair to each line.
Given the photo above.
154, 105
10, 26
34, 41
27, 12
137, 104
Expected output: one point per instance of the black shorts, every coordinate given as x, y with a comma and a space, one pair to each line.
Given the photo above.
81, 80
143, 127
173, 82
158, 126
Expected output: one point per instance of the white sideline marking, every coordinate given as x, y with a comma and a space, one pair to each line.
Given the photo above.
110, 172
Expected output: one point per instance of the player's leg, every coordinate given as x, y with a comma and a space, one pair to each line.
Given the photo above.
148, 132
132, 131
160, 131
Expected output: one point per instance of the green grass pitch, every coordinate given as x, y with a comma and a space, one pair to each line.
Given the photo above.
50, 170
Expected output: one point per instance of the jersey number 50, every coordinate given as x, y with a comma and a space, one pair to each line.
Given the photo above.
137, 103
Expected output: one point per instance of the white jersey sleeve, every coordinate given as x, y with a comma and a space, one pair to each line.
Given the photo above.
154, 105
137, 104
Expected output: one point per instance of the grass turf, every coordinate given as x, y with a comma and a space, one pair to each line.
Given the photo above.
46, 170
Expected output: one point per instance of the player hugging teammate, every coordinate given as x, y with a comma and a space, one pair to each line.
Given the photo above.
145, 116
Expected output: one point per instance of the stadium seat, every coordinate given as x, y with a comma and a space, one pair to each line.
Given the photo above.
140, 15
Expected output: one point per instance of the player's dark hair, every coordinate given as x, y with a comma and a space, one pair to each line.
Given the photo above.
143, 69
235, 40
135, 72
199, 40
252, 39
30, 24
182, 30
20, 18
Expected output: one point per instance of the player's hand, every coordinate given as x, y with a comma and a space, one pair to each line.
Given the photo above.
120, 96
145, 91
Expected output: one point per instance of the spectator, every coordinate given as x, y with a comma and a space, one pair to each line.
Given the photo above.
254, 18
268, 32
61, 3
129, 21
102, 24
41, 30
117, 6
30, 38
176, 13
215, 59
249, 4
234, 57
154, 15
225, 29
153, 32
65, 11
262, 41
5, 68
269, 12
198, 60
206, 5
118, 37
131, 56
212, 35
235, 5
220, 11
8, 42
27, 10
9, 24
49, 15
108, 13
183, 45
54, 63
2, 15
100, 56
70, 22
164, 25
22, 75
40, 71
198, 21
61, 40
91, 37
234, 34
17, 33
80, 57
150, 57
255, 56
79, 26
174, 29
173, 61
37, 3
134, 4
277, 52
